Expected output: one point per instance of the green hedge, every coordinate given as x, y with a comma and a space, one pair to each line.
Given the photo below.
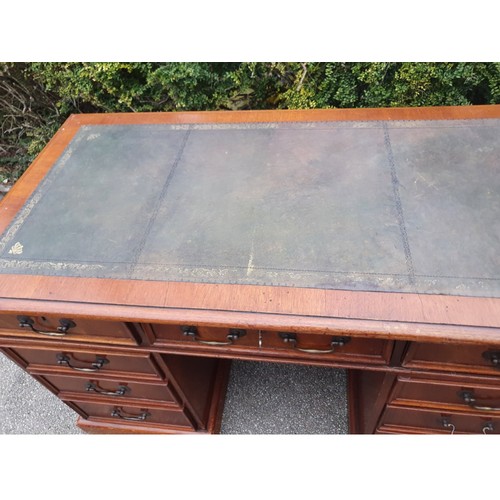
36, 98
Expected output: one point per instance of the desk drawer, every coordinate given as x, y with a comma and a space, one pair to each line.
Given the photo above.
437, 421
301, 346
339, 347
205, 337
454, 358
67, 328
58, 360
116, 388
134, 414
458, 395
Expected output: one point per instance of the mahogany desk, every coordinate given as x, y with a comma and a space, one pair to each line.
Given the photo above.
140, 253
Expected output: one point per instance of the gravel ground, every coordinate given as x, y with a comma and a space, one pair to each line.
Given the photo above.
26, 407
273, 398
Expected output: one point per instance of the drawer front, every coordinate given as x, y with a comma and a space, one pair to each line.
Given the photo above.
51, 360
454, 358
201, 336
438, 421
67, 328
339, 347
136, 415
119, 388
271, 343
460, 395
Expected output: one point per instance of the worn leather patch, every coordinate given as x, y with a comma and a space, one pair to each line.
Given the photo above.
406, 206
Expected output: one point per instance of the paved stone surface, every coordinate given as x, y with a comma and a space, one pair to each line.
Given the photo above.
262, 398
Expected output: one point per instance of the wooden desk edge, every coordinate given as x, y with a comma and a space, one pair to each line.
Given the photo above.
291, 115
321, 325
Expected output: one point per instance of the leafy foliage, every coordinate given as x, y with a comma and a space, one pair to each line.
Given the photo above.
36, 98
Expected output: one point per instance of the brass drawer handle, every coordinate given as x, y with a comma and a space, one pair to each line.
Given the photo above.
96, 365
234, 334
120, 391
448, 425
493, 357
468, 398
118, 413
62, 330
291, 338
488, 427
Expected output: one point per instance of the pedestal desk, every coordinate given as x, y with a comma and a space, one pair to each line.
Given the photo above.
140, 253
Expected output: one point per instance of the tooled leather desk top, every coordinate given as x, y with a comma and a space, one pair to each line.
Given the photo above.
394, 206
